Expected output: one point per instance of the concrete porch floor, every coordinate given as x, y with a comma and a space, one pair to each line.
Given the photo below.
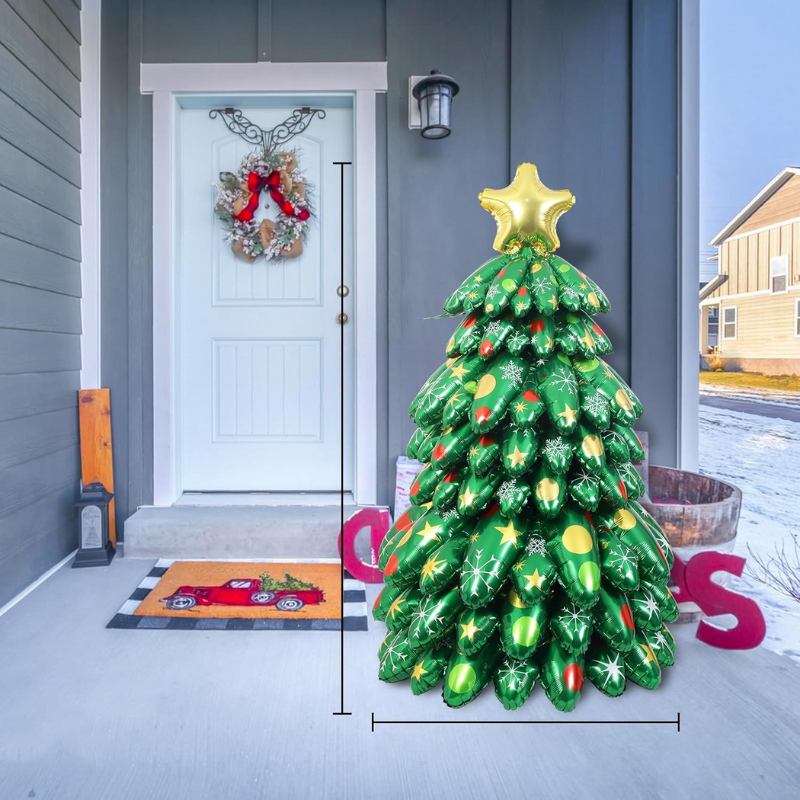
92, 713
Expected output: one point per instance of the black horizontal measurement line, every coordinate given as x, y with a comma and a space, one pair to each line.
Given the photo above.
676, 722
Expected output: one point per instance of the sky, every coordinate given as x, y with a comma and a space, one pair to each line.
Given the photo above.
749, 106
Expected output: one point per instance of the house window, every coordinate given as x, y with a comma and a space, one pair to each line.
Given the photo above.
729, 322
779, 274
713, 327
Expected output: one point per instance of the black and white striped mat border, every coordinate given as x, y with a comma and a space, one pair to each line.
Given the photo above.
355, 608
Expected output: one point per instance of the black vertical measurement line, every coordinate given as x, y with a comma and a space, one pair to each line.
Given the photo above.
341, 292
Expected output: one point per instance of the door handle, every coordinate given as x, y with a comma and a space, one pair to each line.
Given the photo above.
342, 318
343, 291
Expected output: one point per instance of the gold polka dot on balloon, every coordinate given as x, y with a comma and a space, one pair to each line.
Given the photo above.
513, 598
623, 401
547, 489
624, 519
451, 342
536, 267
490, 306
486, 386
592, 446
577, 539
592, 299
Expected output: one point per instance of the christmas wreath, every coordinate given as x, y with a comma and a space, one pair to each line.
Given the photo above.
239, 195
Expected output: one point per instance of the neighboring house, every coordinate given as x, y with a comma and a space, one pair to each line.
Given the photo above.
224, 375
750, 313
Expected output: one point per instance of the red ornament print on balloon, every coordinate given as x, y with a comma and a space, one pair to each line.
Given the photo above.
573, 677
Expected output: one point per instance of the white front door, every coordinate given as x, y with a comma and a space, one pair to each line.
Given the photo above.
258, 364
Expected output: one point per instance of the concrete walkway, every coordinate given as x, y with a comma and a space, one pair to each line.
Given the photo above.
90, 714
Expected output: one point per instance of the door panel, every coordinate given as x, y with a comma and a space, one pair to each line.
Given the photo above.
259, 353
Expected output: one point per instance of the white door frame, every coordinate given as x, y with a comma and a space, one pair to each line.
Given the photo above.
167, 82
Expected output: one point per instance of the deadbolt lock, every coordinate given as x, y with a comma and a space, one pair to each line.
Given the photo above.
342, 318
343, 291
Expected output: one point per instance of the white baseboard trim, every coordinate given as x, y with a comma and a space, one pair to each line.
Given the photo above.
38, 582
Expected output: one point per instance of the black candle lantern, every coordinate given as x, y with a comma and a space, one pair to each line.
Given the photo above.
435, 95
95, 549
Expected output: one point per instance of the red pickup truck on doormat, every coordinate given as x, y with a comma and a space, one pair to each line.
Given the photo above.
242, 592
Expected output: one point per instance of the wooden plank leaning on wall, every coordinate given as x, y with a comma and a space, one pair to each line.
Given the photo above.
97, 463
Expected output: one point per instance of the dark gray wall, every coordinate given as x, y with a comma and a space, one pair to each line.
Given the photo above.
587, 90
40, 320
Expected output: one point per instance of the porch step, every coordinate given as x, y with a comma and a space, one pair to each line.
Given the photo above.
234, 532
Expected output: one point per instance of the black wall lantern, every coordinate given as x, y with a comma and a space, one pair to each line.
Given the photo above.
95, 549
434, 95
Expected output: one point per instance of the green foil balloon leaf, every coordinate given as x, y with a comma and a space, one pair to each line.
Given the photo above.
522, 626
484, 454
456, 408
514, 681
505, 285
646, 611
476, 491
403, 607
474, 629
557, 453
618, 563
663, 645
589, 448
434, 618
534, 575
634, 486
429, 666
471, 293
572, 545
584, 489
549, 490
452, 446
601, 342
543, 287
384, 601
635, 448
574, 336
658, 534
412, 551
577, 290
427, 444
613, 619
527, 406
641, 663
412, 448
605, 668
457, 373
519, 449
403, 524
594, 406
467, 676
513, 496
446, 493
632, 531
522, 302
493, 548
494, 335
561, 675
518, 341
425, 484
616, 446
543, 334
602, 378
396, 657
495, 390
559, 390
572, 626
666, 602
612, 487
415, 403
467, 335
442, 567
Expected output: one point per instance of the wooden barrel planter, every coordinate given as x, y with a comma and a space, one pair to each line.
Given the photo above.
696, 512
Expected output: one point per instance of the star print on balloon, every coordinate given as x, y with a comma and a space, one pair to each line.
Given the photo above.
526, 211
525, 557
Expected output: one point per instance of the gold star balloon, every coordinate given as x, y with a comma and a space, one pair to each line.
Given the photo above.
526, 212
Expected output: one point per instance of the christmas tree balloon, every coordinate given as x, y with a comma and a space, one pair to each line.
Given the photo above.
524, 554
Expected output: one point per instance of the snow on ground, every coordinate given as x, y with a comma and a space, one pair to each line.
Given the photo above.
762, 457
770, 396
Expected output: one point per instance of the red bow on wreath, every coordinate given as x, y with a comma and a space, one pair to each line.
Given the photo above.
255, 184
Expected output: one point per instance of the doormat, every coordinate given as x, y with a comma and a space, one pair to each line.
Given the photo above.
244, 596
